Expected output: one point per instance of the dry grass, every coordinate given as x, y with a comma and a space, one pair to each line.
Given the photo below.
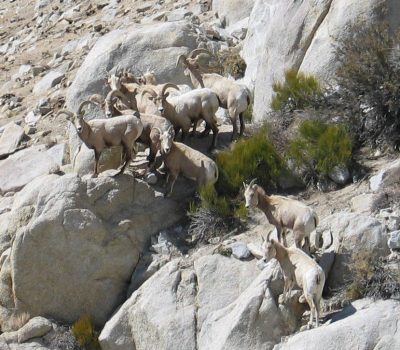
17, 321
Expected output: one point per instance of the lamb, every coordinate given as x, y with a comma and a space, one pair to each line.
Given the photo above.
98, 134
232, 96
179, 158
187, 109
298, 268
283, 212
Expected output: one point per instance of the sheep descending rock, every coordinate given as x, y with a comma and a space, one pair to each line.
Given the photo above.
98, 134
187, 109
298, 268
283, 212
179, 158
232, 96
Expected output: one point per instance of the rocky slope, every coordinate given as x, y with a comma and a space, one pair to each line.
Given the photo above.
71, 245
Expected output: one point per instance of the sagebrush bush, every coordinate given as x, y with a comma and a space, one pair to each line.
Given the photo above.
298, 91
232, 63
371, 277
250, 158
85, 333
320, 147
368, 78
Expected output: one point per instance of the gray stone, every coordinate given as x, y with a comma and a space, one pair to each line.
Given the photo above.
364, 324
340, 175
312, 30
394, 240
351, 233
91, 231
233, 10
240, 250
10, 139
152, 46
35, 328
28, 164
389, 175
47, 82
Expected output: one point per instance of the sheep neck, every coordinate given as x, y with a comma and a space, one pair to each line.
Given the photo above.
195, 77
85, 135
265, 205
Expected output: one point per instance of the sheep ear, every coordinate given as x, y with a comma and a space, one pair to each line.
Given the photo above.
268, 237
171, 131
244, 185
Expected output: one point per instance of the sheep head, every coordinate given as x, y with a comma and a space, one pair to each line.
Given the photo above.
109, 102
268, 247
250, 194
166, 140
77, 119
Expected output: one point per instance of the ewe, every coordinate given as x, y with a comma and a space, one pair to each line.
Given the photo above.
298, 268
283, 212
181, 159
232, 96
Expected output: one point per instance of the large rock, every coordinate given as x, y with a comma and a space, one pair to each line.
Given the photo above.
214, 303
10, 138
387, 176
311, 32
362, 325
75, 244
24, 166
152, 46
232, 10
352, 233
47, 82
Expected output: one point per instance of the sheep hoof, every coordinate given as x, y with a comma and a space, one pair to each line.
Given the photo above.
281, 299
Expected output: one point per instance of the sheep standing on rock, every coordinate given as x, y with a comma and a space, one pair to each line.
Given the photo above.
232, 96
187, 109
283, 212
179, 158
298, 268
98, 134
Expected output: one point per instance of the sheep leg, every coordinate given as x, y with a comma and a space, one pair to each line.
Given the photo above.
96, 163
241, 119
128, 157
206, 130
169, 177
151, 157
284, 237
193, 133
176, 129
310, 302
184, 134
306, 246
214, 140
232, 115
317, 310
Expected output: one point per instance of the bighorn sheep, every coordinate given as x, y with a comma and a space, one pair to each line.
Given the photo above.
98, 134
187, 109
232, 96
283, 212
298, 268
149, 122
179, 158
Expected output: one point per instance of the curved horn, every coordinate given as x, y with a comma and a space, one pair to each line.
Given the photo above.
82, 105
252, 182
196, 52
182, 58
166, 86
96, 99
131, 87
114, 93
64, 111
150, 91
268, 236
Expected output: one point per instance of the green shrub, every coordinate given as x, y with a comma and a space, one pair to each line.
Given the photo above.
368, 78
84, 332
320, 147
297, 92
250, 158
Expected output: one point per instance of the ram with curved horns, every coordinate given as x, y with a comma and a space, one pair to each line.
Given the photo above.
98, 134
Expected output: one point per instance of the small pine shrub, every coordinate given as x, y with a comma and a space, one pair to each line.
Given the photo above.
84, 332
320, 147
370, 277
232, 63
250, 158
368, 78
296, 92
